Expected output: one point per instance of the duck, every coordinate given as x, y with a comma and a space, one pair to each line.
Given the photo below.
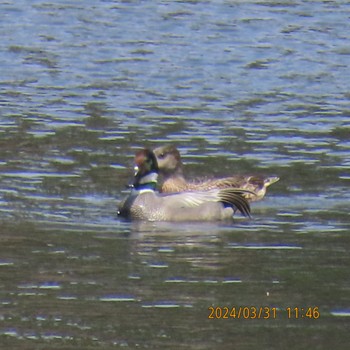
144, 202
171, 168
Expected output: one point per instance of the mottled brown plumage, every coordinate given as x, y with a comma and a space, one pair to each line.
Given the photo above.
170, 166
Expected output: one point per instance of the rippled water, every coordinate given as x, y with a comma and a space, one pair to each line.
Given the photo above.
240, 87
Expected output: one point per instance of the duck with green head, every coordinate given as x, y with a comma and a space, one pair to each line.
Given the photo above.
145, 203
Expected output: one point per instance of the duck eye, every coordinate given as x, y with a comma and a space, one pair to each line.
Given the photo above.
161, 156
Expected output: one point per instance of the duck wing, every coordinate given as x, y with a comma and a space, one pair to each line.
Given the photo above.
228, 196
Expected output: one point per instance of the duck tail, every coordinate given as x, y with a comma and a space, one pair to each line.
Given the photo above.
270, 180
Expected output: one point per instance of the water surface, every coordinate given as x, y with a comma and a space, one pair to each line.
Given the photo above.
239, 87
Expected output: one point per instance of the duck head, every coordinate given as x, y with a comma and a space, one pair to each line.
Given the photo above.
169, 160
146, 170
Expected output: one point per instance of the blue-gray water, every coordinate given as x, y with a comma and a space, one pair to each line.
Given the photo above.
240, 87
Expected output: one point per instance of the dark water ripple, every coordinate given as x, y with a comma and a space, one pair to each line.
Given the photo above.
249, 87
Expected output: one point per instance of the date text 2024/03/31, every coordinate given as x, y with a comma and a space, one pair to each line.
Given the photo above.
265, 312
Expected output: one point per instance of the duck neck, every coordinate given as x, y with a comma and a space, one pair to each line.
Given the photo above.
176, 173
147, 182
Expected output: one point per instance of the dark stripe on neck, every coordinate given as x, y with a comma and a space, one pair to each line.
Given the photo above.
147, 186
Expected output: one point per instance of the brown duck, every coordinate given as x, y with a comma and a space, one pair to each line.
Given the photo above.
170, 166
145, 203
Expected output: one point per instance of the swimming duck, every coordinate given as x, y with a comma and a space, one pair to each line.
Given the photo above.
170, 166
145, 203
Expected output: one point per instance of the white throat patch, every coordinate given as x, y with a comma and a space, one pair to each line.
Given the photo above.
152, 177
